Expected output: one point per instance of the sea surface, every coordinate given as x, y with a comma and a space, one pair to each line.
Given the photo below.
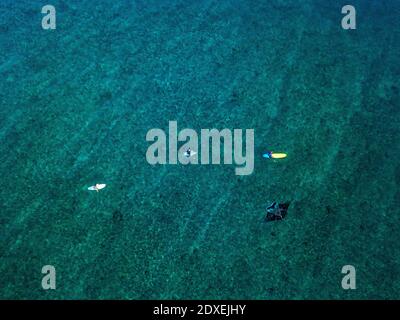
77, 102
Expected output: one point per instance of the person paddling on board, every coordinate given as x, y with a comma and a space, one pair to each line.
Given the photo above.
274, 155
188, 152
97, 187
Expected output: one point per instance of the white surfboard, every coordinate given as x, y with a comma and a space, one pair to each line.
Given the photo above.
97, 187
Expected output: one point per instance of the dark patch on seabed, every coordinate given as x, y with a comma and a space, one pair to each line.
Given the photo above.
77, 102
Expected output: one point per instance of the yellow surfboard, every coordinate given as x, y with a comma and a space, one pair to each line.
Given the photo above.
278, 155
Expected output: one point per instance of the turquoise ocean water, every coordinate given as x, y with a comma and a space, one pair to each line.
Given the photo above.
76, 104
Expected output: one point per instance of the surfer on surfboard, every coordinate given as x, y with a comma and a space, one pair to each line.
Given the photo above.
97, 187
274, 155
188, 153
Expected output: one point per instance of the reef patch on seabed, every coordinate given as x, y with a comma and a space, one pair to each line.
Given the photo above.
76, 105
